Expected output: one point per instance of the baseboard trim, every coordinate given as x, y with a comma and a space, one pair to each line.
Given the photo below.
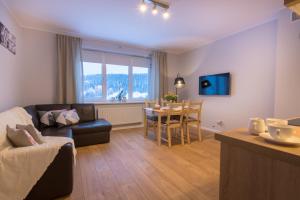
127, 126
132, 126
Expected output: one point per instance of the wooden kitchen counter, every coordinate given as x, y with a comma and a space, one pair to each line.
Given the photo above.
252, 169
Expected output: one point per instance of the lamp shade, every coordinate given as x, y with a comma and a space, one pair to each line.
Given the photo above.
179, 82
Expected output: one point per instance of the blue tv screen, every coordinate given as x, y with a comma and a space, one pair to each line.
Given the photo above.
217, 84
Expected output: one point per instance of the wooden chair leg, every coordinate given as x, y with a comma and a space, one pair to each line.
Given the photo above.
182, 135
200, 136
188, 134
169, 137
156, 131
145, 126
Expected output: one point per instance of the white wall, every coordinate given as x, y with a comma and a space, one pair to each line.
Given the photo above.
250, 57
10, 76
173, 68
287, 98
29, 77
40, 77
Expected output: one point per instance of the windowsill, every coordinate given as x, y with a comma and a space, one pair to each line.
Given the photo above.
116, 103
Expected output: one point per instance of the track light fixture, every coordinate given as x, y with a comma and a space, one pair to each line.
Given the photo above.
154, 10
157, 5
143, 7
166, 14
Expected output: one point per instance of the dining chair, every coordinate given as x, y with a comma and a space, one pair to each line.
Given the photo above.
149, 119
174, 121
192, 118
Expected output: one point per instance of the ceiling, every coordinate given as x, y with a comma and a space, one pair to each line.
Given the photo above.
192, 23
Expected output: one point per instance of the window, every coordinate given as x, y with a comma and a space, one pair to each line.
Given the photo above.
110, 76
92, 80
140, 82
117, 81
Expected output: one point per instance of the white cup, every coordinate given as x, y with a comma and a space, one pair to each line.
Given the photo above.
281, 132
256, 126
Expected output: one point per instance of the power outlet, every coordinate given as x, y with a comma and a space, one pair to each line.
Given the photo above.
220, 123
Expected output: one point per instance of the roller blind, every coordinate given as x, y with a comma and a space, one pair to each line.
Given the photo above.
115, 59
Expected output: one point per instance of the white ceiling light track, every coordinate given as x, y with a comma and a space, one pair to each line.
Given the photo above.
157, 5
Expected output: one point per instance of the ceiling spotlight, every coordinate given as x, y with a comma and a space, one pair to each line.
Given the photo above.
143, 7
154, 10
166, 15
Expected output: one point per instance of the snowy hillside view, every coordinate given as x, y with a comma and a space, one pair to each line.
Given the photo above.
117, 79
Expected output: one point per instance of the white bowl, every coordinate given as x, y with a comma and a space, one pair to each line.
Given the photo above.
270, 121
281, 132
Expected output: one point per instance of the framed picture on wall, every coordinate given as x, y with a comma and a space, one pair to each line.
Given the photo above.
2, 34
7, 39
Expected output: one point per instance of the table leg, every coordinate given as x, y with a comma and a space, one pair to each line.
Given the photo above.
159, 130
145, 124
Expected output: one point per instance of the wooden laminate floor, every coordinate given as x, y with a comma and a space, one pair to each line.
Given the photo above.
134, 167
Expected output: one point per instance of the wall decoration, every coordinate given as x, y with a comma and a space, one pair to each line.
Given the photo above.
7, 39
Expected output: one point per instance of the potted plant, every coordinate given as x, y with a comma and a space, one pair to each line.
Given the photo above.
171, 97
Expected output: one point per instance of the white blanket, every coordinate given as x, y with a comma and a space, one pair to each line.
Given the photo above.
21, 168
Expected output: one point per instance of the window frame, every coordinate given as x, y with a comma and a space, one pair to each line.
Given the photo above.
104, 64
140, 99
97, 99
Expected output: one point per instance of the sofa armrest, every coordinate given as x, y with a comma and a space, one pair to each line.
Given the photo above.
57, 181
86, 112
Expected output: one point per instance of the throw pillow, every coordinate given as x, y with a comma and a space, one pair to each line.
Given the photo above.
20, 138
46, 118
67, 117
37, 136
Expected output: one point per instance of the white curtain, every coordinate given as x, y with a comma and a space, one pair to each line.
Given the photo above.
159, 75
70, 83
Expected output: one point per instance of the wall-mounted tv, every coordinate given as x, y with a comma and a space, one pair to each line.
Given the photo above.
217, 84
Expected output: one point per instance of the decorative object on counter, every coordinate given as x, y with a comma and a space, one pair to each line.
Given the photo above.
281, 132
7, 39
291, 141
170, 97
270, 121
256, 126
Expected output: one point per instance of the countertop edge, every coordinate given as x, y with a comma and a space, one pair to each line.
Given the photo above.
267, 151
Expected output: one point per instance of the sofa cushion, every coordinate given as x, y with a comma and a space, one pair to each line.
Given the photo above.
32, 131
46, 118
19, 137
155, 118
60, 132
100, 125
86, 112
66, 117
